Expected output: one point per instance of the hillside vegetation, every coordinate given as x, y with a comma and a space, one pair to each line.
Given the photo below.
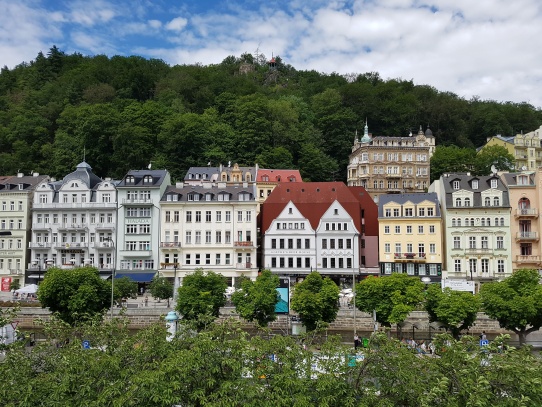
123, 112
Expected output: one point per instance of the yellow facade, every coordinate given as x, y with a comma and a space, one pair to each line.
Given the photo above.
410, 237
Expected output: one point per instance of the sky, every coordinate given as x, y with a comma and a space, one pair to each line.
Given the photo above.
488, 49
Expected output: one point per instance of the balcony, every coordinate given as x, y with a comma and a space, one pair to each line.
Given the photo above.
398, 175
409, 256
169, 266
136, 201
170, 245
41, 226
44, 245
526, 213
15, 272
105, 226
473, 251
530, 259
242, 266
527, 236
72, 226
70, 205
102, 245
247, 244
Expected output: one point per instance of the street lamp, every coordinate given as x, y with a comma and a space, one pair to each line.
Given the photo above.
175, 265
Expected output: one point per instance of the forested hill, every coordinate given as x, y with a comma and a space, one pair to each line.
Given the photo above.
127, 111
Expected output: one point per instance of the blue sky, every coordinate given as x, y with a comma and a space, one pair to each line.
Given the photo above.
485, 48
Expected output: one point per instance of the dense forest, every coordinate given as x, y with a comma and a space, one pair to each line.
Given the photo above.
124, 112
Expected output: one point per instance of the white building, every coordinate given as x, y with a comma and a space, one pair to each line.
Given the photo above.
16, 195
73, 223
476, 213
209, 226
138, 236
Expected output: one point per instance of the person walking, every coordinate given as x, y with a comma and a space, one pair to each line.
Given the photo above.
356, 341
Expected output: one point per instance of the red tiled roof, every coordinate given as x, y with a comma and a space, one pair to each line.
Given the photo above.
312, 199
278, 175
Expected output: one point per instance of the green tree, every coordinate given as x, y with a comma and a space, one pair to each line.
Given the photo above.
455, 310
161, 288
316, 300
75, 295
516, 302
256, 300
393, 297
124, 287
494, 156
200, 297
450, 159
15, 285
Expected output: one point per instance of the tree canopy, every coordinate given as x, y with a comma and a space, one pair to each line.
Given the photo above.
75, 295
161, 288
455, 310
316, 300
392, 297
126, 111
516, 302
201, 296
124, 287
256, 300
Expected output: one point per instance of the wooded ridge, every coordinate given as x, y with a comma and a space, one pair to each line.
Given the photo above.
123, 112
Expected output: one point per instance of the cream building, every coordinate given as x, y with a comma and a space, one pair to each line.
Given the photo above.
213, 227
410, 235
73, 224
476, 213
391, 164
16, 195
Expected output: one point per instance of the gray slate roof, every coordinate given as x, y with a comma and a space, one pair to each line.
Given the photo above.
157, 178
233, 190
401, 199
465, 183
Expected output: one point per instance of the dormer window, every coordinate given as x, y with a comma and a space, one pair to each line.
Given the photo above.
455, 185
523, 180
493, 183
292, 179
467, 201
244, 196
208, 197
21, 187
223, 197
74, 185
130, 179
147, 179
474, 184
265, 178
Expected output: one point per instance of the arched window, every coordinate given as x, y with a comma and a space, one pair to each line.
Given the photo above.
458, 221
488, 221
453, 222
457, 201
496, 201
467, 201
502, 221
483, 222
487, 201
524, 203
472, 221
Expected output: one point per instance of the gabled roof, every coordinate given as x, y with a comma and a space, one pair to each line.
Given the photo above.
465, 183
278, 175
29, 182
312, 199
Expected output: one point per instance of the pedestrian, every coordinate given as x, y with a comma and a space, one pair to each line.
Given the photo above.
142, 290
146, 300
483, 336
356, 341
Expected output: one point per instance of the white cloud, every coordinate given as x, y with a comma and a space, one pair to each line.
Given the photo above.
177, 24
155, 24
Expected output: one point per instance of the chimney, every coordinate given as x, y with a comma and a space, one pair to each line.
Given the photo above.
20, 175
35, 174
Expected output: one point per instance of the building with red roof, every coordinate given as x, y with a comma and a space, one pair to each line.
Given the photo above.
268, 179
322, 226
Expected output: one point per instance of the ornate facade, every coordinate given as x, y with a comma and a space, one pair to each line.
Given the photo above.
384, 165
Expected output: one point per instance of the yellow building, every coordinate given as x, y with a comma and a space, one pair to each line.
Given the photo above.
525, 148
410, 235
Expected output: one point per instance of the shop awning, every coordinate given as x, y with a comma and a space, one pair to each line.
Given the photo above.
139, 277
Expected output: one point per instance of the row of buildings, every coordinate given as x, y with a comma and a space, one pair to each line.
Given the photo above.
238, 220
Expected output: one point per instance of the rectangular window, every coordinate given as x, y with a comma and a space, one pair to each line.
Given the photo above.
228, 216
189, 216
187, 259
198, 216
168, 216
387, 230
485, 265
208, 237
249, 216
227, 237
239, 216
409, 229
432, 229
397, 229
457, 266
500, 266
307, 244
484, 241
188, 237
273, 243
218, 236
198, 237
472, 242
421, 249
421, 211
472, 265
217, 258
457, 242
420, 229
500, 242
332, 243
228, 259
324, 243
432, 248
207, 258
409, 212
298, 244
387, 248
207, 216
